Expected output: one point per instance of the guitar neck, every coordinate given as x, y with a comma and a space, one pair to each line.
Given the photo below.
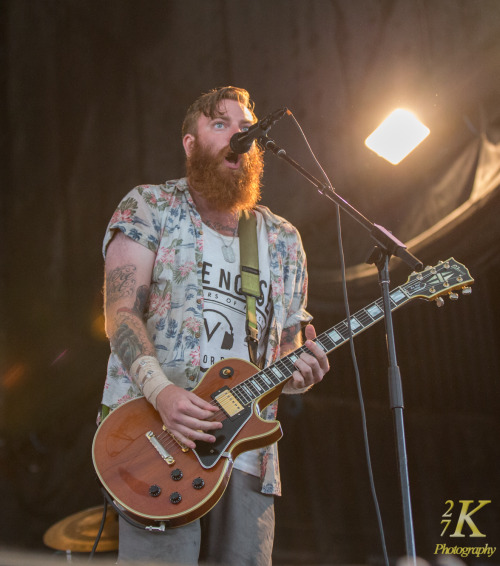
279, 372
444, 278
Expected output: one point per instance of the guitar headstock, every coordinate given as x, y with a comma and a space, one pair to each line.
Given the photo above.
445, 278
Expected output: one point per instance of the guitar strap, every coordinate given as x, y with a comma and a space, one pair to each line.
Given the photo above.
250, 281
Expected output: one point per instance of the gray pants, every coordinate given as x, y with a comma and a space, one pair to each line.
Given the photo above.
239, 530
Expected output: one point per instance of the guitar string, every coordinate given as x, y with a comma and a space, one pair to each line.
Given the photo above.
221, 415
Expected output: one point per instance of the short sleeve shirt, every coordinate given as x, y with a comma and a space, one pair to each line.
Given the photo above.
164, 219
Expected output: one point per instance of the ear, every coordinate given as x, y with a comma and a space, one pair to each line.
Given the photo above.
187, 142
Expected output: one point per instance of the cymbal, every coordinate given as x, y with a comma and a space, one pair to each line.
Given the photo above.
78, 532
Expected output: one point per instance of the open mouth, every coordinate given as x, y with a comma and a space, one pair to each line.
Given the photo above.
232, 157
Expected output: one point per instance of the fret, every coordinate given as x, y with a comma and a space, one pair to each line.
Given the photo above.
288, 362
335, 336
398, 296
364, 318
247, 390
276, 372
268, 372
319, 342
343, 330
375, 311
355, 325
242, 394
256, 384
264, 383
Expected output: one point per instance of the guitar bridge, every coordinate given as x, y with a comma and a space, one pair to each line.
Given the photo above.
166, 456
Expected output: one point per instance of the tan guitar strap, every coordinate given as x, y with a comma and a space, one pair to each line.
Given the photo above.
250, 280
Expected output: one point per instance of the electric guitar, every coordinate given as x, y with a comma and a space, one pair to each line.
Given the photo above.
155, 478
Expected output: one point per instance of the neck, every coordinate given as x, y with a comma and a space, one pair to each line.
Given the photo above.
223, 221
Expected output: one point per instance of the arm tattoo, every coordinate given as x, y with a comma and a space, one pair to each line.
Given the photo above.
120, 283
291, 339
130, 339
127, 344
141, 299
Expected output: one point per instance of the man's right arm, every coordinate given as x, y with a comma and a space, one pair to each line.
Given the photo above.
127, 279
128, 270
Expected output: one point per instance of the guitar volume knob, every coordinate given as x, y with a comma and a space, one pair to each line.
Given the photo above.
198, 483
176, 474
154, 490
175, 497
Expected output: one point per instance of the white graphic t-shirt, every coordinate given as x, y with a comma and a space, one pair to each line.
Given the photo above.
224, 311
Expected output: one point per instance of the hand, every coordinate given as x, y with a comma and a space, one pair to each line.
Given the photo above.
186, 415
310, 368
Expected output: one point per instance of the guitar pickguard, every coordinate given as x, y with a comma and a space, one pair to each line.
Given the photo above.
208, 454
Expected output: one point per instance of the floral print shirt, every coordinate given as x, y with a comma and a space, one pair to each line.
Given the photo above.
164, 219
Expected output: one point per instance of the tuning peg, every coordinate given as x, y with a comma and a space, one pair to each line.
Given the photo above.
466, 291
440, 301
453, 296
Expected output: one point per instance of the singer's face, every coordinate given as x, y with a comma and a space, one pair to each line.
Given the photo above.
225, 180
214, 133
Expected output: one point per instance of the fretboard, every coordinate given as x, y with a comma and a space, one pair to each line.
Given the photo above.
274, 375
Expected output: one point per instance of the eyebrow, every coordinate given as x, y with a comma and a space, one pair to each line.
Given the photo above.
224, 118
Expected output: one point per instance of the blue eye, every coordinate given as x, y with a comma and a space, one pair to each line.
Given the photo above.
245, 128
219, 125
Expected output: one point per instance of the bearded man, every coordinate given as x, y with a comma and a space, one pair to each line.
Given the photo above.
174, 306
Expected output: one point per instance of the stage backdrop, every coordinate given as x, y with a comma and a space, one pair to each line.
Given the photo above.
93, 98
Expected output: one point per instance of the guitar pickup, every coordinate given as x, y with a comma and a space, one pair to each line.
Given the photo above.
168, 458
228, 402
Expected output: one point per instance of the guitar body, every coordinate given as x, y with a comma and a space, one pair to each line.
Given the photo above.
153, 477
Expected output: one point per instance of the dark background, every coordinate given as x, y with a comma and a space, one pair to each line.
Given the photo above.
93, 96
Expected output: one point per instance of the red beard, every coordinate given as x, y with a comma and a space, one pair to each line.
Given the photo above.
223, 188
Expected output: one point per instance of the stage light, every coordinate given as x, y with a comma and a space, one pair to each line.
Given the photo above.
397, 136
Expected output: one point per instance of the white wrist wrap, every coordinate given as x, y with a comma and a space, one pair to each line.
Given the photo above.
148, 375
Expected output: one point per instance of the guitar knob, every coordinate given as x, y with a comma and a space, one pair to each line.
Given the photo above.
466, 291
453, 296
440, 301
154, 490
176, 475
175, 497
198, 483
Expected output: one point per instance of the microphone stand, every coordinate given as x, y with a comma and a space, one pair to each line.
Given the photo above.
386, 246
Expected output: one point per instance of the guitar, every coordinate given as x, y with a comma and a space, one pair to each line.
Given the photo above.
155, 478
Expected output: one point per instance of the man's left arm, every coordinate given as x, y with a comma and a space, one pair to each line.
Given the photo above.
310, 367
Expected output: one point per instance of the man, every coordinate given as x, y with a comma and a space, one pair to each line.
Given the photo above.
174, 306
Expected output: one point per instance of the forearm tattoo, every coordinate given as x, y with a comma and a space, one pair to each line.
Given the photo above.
127, 344
291, 339
129, 339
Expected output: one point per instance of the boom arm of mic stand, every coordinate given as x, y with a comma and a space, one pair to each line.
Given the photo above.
383, 237
387, 245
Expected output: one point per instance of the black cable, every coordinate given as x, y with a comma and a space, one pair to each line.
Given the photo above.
101, 528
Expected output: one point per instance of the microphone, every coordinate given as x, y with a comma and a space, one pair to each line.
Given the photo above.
242, 141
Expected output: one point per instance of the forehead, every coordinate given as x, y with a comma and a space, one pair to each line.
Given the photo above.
231, 109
